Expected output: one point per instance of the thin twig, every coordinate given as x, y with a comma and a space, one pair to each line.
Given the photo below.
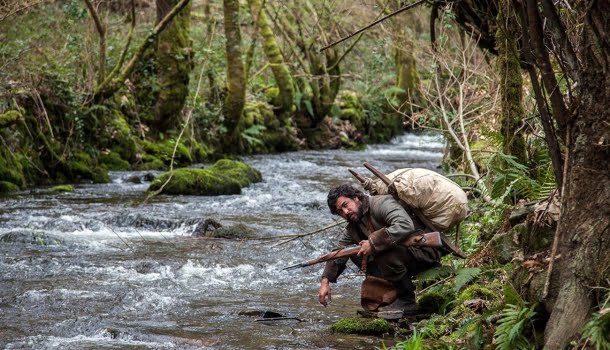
557, 237
374, 23
295, 237
277, 319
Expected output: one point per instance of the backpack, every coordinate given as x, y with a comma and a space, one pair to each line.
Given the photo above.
440, 200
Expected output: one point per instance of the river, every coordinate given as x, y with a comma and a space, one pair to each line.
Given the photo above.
97, 269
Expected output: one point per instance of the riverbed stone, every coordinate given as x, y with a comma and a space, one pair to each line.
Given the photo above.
223, 178
27, 237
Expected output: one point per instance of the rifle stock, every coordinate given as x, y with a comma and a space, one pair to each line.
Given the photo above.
428, 239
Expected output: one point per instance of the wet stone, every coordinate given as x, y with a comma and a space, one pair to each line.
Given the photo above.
35, 238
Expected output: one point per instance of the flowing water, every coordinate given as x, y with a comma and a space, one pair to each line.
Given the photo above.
92, 269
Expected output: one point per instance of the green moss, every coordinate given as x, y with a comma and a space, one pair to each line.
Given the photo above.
150, 163
351, 108
7, 187
82, 167
224, 177
11, 169
9, 118
239, 231
280, 70
365, 326
164, 150
113, 161
63, 188
120, 138
238, 171
174, 62
189, 181
435, 302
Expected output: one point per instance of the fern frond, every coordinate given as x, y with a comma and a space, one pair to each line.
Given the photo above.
464, 276
511, 327
597, 330
435, 273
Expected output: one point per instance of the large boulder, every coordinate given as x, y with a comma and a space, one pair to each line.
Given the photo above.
224, 177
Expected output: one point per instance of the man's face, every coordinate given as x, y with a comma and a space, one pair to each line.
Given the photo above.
349, 208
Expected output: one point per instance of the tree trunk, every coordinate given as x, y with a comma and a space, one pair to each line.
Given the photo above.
236, 82
511, 83
407, 79
272, 51
174, 63
583, 233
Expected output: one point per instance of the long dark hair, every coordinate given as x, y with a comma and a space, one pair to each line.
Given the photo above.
345, 190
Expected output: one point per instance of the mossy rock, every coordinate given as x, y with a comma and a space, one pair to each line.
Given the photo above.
63, 188
239, 231
190, 181
120, 137
351, 108
11, 169
113, 161
363, 326
150, 162
81, 166
224, 177
8, 187
238, 171
435, 302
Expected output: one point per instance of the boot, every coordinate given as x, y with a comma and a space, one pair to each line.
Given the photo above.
404, 305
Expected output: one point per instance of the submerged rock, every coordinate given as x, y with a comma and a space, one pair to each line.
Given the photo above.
35, 238
224, 177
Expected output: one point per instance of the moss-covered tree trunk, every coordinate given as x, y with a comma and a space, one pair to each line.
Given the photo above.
273, 54
236, 81
407, 80
173, 58
511, 83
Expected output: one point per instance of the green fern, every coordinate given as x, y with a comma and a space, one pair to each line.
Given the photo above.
252, 134
510, 333
435, 274
597, 330
464, 276
415, 342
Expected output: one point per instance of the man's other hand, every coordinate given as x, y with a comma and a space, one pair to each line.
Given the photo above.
365, 248
324, 295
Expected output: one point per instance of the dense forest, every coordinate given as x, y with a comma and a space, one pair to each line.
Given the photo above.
518, 89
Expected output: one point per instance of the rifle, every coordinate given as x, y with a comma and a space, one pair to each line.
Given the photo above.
392, 190
428, 239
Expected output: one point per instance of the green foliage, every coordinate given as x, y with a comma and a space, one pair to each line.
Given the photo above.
512, 329
415, 342
464, 276
253, 134
597, 329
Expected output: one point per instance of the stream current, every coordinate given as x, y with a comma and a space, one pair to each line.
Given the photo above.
91, 269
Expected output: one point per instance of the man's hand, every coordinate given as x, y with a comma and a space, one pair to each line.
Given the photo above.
366, 248
324, 295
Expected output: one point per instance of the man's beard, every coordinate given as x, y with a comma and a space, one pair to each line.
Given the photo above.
359, 217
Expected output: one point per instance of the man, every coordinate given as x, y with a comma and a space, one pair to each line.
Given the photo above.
376, 224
